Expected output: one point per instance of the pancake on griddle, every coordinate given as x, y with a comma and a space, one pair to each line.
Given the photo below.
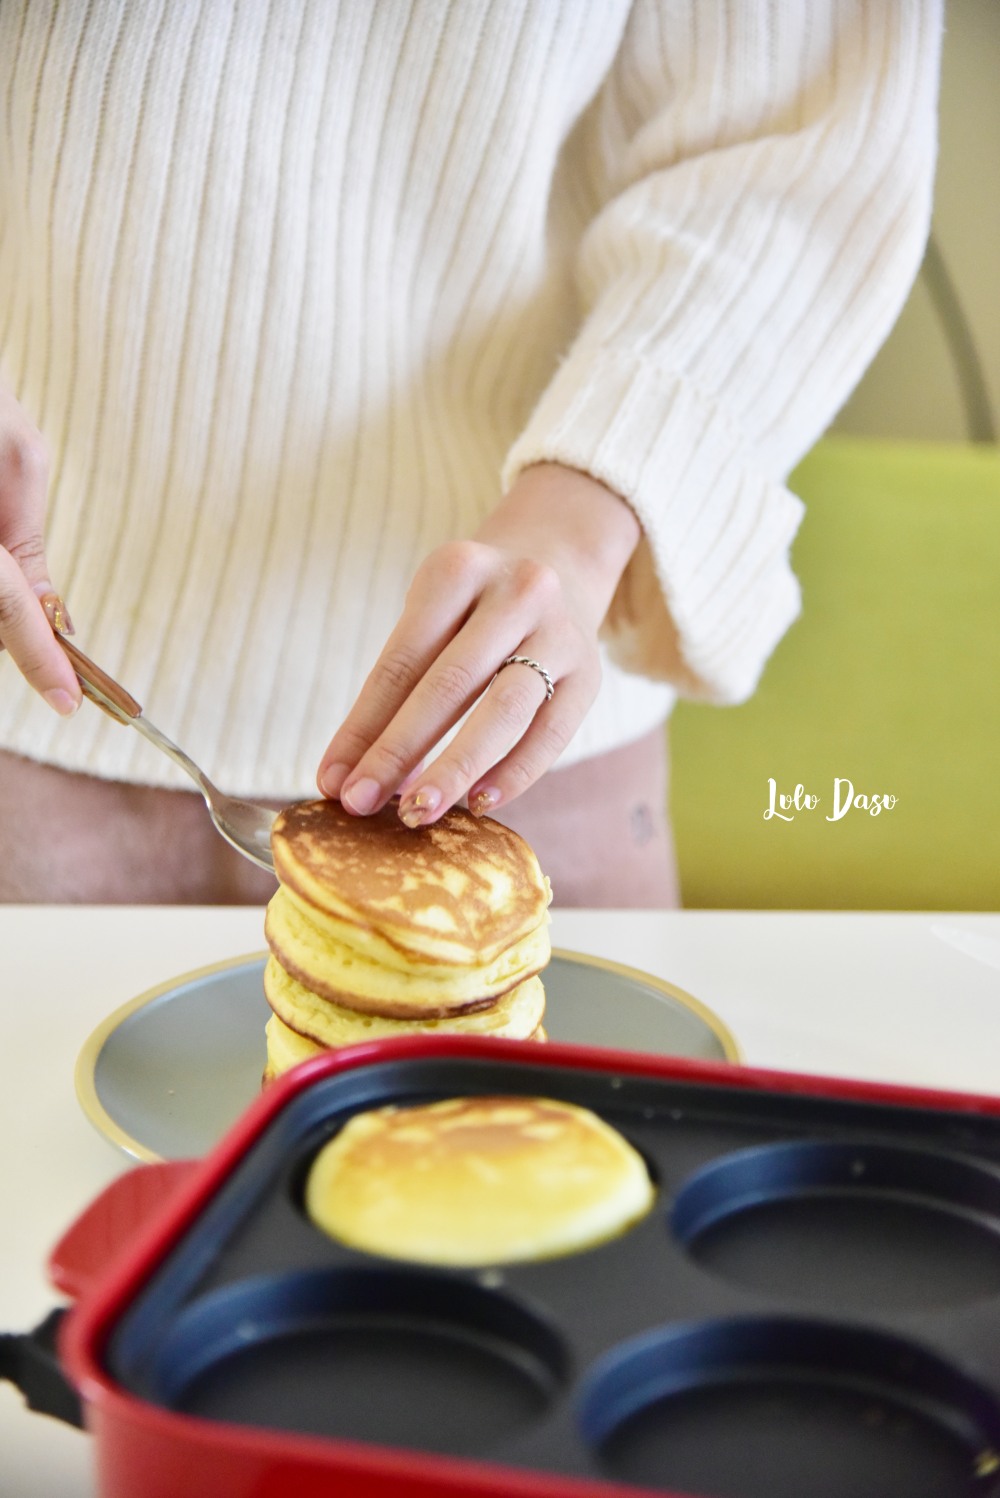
380, 929
478, 1180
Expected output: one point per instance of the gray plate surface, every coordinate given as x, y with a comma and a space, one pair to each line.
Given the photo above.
166, 1075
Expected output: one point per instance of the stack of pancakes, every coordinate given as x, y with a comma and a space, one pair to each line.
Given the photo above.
378, 929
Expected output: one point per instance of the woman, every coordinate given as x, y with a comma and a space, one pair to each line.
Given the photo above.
380, 350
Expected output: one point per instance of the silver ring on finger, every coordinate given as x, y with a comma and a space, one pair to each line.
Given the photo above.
523, 660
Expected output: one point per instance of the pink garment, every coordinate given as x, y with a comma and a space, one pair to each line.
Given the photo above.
599, 828
601, 831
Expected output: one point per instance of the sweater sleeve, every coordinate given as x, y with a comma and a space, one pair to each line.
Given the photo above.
763, 179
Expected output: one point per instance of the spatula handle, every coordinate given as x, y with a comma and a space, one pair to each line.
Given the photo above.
99, 686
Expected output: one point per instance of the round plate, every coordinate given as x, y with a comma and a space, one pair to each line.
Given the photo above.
169, 1072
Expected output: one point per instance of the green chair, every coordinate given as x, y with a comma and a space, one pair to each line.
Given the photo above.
890, 681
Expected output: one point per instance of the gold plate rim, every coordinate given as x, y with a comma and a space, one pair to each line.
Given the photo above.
85, 1070
731, 1047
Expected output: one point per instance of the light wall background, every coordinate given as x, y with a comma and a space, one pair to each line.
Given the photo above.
911, 390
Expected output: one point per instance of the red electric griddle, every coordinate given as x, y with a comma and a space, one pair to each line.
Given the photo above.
810, 1310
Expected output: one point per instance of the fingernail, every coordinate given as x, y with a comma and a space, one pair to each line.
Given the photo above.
57, 613
64, 704
415, 810
483, 801
332, 779
362, 796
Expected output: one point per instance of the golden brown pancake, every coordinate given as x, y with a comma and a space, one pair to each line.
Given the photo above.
462, 890
473, 1181
515, 1016
286, 1047
317, 951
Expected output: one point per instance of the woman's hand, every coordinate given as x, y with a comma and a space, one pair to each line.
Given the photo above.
535, 581
25, 628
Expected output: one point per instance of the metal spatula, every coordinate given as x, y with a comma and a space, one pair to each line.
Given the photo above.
246, 826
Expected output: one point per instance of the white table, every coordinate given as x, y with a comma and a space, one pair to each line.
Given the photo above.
883, 997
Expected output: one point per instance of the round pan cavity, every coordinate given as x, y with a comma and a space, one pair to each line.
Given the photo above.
789, 1409
849, 1225
397, 1358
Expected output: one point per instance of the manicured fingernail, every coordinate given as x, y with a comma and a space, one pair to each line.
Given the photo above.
57, 613
415, 810
483, 801
332, 779
64, 704
362, 796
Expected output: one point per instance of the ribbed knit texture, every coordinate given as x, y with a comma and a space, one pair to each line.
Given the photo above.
291, 287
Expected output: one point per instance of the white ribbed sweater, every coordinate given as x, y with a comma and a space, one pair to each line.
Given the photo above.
292, 287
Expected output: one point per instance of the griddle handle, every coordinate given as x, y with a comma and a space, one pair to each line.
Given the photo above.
83, 1253
30, 1362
